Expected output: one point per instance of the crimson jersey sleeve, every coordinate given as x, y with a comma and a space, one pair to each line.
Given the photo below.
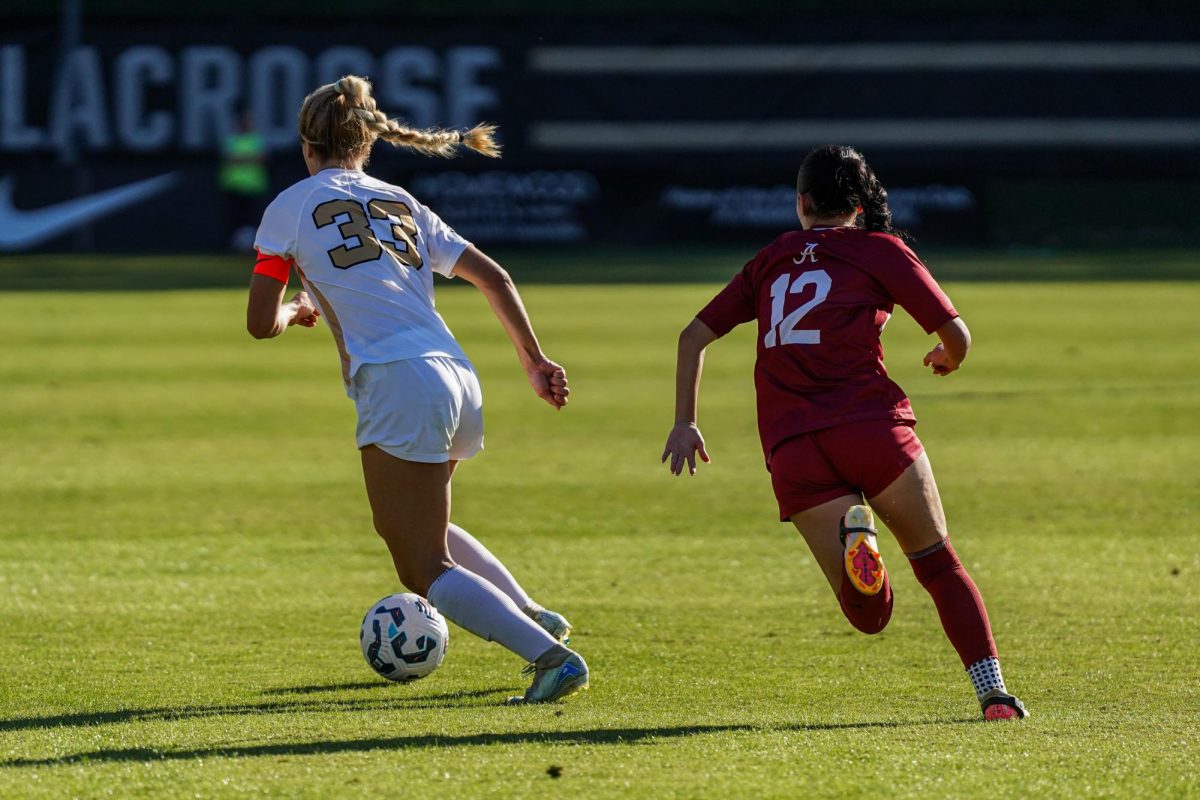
910, 284
734, 305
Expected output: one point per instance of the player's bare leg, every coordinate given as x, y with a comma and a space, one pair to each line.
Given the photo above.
411, 506
912, 509
869, 611
818, 526
410, 503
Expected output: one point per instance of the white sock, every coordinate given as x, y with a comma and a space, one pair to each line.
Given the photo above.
985, 675
472, 603
469, 552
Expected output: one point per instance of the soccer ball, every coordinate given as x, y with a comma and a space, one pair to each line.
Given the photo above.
403, 637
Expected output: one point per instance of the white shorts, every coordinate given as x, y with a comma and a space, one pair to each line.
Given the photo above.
426, 409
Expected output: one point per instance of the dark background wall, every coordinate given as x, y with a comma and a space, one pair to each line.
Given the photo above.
658, 122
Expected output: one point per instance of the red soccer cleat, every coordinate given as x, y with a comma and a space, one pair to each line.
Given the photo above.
998, 705
861, 559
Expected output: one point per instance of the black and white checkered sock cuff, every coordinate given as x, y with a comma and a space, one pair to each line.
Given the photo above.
985, 676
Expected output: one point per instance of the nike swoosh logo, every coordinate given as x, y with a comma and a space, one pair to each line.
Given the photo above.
20, 230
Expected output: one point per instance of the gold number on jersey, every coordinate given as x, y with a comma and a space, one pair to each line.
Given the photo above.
404, 231
358, 226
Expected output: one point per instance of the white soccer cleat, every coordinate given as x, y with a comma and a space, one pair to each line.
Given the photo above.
554, 681
555, 624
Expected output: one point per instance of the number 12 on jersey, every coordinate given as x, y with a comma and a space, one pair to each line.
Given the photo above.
783, 329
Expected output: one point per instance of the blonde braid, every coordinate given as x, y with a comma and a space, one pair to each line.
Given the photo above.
482, 139
355, 92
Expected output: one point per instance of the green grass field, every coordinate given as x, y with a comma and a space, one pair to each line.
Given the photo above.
186, 552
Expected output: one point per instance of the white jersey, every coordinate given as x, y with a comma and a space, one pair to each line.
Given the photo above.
366, 252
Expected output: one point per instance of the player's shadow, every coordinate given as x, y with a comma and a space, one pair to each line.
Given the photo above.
612, 736
273, 706
340, 687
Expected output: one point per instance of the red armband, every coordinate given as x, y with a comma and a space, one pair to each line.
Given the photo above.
273, 267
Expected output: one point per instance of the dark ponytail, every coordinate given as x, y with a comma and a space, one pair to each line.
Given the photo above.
839, 181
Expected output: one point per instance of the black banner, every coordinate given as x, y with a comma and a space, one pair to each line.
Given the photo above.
616, 130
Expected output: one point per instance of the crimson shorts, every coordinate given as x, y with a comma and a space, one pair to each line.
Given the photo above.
857, 458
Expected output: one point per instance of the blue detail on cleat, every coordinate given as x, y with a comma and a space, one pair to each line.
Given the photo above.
555, 682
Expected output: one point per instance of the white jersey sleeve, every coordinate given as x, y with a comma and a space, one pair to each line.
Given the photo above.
277, 232
442, 243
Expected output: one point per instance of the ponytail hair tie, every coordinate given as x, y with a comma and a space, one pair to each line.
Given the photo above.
858, 210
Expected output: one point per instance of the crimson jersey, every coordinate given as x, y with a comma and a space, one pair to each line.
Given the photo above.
821, 298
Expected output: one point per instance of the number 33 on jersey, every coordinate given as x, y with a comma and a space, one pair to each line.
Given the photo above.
366, 252
361, 243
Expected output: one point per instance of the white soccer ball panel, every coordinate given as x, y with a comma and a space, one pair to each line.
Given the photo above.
403, 637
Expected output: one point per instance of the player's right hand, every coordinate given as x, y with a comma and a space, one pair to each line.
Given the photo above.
549, 382
683, 443
940, 361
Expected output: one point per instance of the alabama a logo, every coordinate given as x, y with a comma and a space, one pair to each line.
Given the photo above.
809, 254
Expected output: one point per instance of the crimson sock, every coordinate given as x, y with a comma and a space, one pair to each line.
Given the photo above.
961, 609
868, 613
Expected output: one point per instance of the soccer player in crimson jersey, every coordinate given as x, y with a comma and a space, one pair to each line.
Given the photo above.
834, 427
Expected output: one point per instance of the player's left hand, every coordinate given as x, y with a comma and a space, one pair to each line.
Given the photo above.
305, 312
683, 443
549, 382
940, 360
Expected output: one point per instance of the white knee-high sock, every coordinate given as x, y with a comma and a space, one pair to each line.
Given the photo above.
473, 603
469, 552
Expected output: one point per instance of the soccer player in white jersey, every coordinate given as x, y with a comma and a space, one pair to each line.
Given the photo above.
365, 252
